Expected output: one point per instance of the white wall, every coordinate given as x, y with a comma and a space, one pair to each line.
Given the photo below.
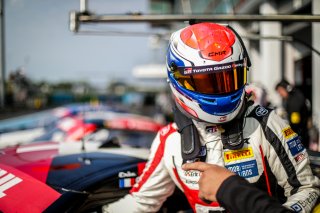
269, 73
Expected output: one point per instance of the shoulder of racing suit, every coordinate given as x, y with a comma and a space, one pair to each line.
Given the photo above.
288, 160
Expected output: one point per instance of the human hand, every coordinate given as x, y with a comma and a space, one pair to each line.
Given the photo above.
210, 180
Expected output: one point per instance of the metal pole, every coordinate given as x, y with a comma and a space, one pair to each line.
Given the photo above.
84, 18
83, 6
2, 56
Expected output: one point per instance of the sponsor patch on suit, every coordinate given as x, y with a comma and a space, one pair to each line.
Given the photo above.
240, 154
288, 132
245, 169
295, 146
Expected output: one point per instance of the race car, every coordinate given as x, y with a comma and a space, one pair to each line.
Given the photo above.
51, 177
25, 128
102, 127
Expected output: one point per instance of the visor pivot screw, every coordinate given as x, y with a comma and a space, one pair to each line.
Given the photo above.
173, 66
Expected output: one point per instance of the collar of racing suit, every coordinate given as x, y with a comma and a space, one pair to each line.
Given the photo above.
193, 133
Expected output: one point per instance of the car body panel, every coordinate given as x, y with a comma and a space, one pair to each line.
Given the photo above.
20, 192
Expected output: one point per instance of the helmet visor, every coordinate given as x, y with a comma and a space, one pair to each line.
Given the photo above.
215, 79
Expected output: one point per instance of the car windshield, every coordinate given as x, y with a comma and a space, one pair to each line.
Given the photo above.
54, 134
137, 139
122, 137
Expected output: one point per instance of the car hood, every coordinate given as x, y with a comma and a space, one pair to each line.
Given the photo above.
61, 167
18, 189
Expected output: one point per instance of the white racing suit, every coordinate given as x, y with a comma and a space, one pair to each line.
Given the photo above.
272, 157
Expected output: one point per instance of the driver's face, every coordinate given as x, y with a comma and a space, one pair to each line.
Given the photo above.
282, 92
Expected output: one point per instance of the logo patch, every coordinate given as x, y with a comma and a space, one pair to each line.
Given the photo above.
127, 174
165, 130
192, 173
238, 154
296, 207
300, 157
7, 181
187, 71
222, 119
261, 111
245, 169
127, 179
126, 182
288, 132
203, 151
295, 146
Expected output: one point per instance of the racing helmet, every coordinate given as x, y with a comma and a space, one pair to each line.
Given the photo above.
207, 66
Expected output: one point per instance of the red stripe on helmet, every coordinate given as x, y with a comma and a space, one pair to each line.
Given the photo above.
185, 107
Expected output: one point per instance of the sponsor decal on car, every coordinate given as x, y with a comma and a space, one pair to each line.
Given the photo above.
7, 181
126, 182
19, 190
127, 179
238, 154
245, 169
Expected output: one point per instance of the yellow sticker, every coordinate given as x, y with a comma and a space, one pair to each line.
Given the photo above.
238, 154
288, 132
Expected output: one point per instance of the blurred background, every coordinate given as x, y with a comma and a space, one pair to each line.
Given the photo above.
50, 58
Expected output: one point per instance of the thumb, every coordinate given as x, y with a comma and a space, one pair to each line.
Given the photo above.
200, 166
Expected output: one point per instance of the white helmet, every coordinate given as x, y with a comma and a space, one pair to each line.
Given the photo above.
207, 67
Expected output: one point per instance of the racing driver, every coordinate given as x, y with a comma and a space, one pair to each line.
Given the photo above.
217, 123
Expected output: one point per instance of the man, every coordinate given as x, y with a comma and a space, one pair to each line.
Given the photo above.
296, 107
216, 123
219, 184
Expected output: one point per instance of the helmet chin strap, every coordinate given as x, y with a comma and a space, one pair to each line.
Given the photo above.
232, 137
190, 142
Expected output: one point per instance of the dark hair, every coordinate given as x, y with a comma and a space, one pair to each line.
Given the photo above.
284, 84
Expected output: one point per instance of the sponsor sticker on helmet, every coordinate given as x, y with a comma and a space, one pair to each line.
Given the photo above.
245, 169
222, 118
211, 69
238, 154
261, 111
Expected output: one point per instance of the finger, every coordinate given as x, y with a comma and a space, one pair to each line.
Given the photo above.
200, 166
202, 197
206, 201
